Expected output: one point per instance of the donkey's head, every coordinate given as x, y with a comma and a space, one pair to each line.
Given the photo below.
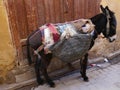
111, 25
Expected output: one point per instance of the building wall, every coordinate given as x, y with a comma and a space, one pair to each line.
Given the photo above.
7, 51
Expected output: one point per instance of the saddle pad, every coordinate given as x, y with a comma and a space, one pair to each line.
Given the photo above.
69, 50
35, 39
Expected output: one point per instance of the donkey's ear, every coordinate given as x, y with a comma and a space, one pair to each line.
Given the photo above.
107, 8
103, 9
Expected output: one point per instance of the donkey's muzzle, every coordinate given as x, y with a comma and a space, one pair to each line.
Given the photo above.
113, 38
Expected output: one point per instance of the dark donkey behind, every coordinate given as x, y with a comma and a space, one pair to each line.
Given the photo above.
105, 23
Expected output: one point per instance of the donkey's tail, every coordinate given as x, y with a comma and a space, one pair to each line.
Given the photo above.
28, 52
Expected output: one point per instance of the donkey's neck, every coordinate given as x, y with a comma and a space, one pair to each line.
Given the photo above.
94, 35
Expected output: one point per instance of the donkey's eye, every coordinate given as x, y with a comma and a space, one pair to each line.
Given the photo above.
113, 27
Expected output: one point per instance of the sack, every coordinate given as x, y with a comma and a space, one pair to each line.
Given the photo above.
69, 50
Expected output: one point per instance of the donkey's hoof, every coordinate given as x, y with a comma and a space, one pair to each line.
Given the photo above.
86, 79
40, 82
51, 84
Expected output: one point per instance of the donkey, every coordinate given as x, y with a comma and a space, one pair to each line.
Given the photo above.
104, 22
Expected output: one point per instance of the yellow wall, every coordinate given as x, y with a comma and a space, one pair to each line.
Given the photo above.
7, 51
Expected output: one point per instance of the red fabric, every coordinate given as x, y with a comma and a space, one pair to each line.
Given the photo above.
54, 31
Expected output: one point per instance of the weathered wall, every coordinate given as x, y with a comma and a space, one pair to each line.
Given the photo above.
7, 53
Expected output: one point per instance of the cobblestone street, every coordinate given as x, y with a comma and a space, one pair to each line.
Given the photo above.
104, 77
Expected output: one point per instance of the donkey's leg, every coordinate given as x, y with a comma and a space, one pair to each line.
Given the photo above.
83, 65
40, 81
45, 62
49, 81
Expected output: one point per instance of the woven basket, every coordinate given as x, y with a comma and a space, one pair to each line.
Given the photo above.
69, 50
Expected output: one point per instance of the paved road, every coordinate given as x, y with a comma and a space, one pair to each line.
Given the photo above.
105, 77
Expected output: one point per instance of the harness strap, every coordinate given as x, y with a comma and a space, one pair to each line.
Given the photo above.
42, 34
92, 33
36, 53
108, 24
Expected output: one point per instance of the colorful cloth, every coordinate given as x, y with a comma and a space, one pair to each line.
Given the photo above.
54, 31
67, 30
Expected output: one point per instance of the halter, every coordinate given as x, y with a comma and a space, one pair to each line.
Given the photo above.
108, 24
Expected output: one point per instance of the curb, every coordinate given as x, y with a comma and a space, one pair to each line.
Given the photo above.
31, 81
114, 54
109, 57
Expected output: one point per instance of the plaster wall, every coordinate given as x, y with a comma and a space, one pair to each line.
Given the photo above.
7, 51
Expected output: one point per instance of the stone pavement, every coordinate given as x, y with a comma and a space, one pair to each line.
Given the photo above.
105, 76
